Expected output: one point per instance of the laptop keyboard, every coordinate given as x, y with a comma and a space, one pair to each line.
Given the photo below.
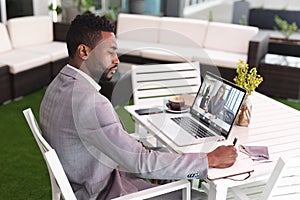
192, 127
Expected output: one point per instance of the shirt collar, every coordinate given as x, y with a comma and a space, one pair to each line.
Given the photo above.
87, 77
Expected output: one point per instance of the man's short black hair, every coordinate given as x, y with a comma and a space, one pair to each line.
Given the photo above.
85, 29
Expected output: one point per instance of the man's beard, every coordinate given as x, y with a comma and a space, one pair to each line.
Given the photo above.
105, 74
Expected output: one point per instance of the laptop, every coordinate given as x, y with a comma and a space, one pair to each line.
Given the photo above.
211, 115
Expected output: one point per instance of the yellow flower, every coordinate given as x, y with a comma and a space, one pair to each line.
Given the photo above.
246, 79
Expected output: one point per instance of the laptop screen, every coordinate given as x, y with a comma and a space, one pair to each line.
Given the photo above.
217, 103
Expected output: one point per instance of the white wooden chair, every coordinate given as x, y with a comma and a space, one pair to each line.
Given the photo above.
259, 190
152, 84
59, 181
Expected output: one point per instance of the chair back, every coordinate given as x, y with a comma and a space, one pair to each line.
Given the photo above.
152, 83
246, 191
59, 181
273, 180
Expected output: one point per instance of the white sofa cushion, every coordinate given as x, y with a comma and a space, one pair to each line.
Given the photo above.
219, 58
130, 47
2, 65
173, 53
179, 31
229, 37
20, 60
161, 54
28, 31
138, 27
57, 50
5, 44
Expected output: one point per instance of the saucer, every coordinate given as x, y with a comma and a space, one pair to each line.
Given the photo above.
185, 109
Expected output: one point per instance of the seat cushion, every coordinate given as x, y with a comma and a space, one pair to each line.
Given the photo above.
138, 27
131, 47
179, 31
229, 37
20, 60
28, 31
173, 53
219, 58
4, 39
57, 50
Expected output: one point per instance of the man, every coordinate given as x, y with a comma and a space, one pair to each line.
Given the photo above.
100, 159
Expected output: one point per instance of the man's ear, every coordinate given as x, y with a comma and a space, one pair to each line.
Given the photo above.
83, 51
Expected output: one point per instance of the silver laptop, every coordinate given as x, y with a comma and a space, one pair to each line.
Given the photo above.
211, 116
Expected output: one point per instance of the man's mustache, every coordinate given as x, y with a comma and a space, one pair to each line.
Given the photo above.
116, 66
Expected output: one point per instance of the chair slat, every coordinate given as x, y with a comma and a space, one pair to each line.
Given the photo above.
166, 76
167, 92
166, 67
168, 83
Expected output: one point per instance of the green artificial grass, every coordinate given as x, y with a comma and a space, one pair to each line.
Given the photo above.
292, 103
23, 172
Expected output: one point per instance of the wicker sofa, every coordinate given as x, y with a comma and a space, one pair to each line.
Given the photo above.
217, 46
30, 55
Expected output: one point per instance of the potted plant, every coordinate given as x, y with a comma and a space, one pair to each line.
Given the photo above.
249, 80
287, 29
111, 13
77, 7
85, 6
210, 16
56, 12
285, 45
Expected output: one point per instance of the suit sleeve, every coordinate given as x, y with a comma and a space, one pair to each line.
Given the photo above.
100, 130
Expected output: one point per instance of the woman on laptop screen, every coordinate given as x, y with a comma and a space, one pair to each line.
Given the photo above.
216, 103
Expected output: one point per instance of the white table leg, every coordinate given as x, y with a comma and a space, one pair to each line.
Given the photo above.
217, 192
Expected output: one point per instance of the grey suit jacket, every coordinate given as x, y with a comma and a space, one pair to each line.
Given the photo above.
100, 159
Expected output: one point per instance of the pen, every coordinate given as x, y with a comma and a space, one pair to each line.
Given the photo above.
234, 141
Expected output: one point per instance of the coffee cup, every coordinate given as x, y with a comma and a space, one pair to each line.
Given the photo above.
176, 103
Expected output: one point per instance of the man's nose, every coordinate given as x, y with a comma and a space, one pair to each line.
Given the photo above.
116, 60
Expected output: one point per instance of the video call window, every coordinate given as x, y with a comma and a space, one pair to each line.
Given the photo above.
218, 102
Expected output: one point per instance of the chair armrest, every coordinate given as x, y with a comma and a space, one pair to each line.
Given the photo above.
183, 185
258, 48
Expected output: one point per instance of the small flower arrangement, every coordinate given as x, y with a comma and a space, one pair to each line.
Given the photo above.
246, 79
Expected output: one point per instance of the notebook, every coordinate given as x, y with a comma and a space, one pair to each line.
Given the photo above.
240, 170
211, 116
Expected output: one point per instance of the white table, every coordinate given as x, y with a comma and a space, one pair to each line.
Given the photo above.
272, 124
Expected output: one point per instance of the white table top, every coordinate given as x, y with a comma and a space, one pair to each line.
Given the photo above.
272, 124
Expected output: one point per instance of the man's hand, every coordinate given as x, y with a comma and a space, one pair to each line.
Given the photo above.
222, 157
